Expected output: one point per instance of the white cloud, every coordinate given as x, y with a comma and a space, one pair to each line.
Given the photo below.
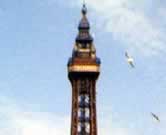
133, 23
17, 121
108, 126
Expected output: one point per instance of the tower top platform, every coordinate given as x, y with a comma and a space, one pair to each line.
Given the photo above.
84, 57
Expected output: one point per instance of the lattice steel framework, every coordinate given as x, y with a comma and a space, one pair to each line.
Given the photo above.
83, 71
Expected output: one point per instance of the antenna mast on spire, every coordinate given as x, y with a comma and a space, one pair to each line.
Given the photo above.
84, 9
83, 2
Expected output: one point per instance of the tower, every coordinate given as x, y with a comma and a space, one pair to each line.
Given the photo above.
83, 71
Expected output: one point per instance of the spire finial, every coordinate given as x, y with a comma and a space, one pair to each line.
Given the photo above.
84, 9
83, 2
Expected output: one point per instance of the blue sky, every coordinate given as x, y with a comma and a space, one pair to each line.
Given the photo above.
36, 40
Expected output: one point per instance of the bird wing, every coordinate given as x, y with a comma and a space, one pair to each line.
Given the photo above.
132, 65
155, 116
126, 54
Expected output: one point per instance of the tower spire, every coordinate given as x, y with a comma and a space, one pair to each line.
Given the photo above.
83, 72
83, 27
84, 9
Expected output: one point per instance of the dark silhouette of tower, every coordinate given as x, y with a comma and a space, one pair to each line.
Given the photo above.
83, 71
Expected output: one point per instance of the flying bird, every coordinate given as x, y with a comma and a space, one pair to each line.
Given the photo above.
155, 116
129, 60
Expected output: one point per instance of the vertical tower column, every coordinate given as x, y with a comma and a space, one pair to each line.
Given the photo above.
83, 71
93, 108
74, 107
